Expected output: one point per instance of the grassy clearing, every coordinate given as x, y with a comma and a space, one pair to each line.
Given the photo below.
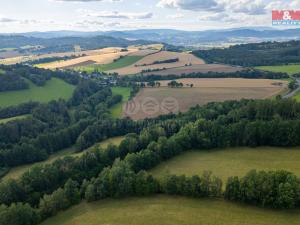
116, 110
6, 120
16, 172
53, 90
297, 97
289, 69
123, 62
171, 210
232, 161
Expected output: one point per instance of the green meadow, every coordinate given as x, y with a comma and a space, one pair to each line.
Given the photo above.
6, 120
297, 97
171, 210
231, 162
116, 110
120, 63
53, 90
289, 69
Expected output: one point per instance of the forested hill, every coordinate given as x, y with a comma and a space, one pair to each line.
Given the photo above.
63, 44
257, 54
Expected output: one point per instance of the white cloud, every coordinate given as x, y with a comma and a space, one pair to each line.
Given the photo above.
194, 5
118, 15
7, 20
88, 1
249, 7
175, 16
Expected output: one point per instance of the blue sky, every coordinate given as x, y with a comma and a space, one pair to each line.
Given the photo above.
92, 15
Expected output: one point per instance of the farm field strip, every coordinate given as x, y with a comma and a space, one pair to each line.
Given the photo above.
138, 67
120, 63
171, 210
205, 68
231, 162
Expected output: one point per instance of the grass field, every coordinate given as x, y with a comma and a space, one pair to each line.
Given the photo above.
171, 210
116, 110
19, 170
53, 90
123, 62
231, 162
289, 69
297, 97
6, 120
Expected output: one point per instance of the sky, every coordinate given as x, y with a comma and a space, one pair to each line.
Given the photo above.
102, 15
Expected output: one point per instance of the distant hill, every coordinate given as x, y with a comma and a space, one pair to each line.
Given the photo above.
187, 38
63, 44
255, 54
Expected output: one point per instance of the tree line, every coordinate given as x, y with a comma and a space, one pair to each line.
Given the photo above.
217, 125
248, 73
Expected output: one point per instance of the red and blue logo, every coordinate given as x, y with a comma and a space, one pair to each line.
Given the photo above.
285, 17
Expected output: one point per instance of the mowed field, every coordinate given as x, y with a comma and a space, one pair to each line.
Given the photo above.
53, 90
116, 110
103, 58
171, 210
151, 102
146, 63
120, 63
289, 69
231, 162
16, 172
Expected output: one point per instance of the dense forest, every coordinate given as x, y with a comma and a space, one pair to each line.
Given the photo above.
119, 171
256, 54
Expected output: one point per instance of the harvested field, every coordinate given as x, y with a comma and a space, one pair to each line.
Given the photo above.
143, 52
205, 68
100, 58
86, 63
25, 58
152, 102
138, 67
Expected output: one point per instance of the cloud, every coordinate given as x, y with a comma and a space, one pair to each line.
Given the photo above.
194, 5
7, 20
119, 15
249, 7
175, 16
87, 1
